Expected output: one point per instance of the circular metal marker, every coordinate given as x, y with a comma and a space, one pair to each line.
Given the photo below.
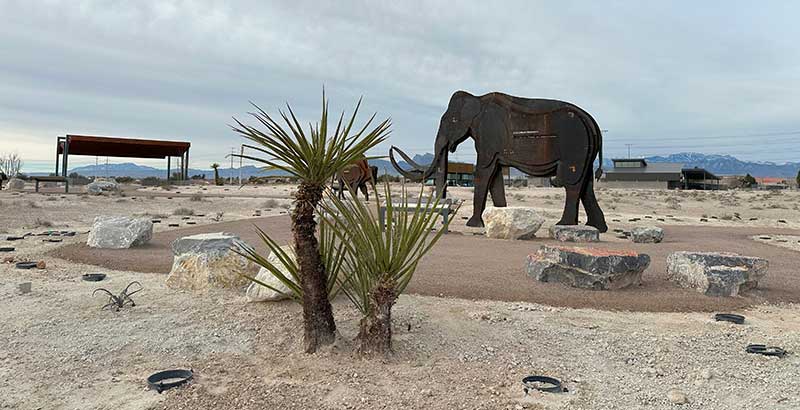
168, 379
543, 384
765, 350
729, 317
94, 277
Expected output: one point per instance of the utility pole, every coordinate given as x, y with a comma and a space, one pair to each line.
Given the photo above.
233, 151
629, 150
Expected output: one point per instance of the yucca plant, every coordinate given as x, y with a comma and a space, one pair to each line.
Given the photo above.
313, 156
331, 250
379, 261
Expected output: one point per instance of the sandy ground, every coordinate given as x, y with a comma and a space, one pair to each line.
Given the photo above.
58, 350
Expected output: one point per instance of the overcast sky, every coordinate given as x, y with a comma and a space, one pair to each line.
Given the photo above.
669, 77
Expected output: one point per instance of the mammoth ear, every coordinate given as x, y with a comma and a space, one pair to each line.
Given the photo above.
471, 108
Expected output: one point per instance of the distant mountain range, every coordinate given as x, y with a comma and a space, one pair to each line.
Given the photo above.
718, 164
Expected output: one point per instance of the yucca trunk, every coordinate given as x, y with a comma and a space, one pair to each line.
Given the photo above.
320, 328
216, 177
375, 333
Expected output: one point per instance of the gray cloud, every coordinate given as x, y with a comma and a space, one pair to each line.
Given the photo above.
181, 69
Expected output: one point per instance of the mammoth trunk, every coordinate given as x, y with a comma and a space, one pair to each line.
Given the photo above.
440, 162
375, 332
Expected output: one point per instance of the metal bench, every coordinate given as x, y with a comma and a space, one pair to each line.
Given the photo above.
444, 209
52, 179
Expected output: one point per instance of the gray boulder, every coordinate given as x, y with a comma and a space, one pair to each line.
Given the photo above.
587, 268
207, 261
15, 184
119, 232
258, 293
512, 222
574, 233
647, 234
100, 187
716, 274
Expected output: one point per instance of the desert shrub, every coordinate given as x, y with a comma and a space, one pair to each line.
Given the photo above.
183, 212
519, 197
270, 203
78, 179
196, 198
51, 199
152, 181
33, 204
673, 203
124, 180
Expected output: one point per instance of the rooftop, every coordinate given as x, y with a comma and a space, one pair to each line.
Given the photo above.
122, 147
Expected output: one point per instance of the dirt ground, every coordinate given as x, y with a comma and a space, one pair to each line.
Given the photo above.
58, 350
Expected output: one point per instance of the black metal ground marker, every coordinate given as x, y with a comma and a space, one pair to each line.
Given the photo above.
168, 379
6, 249
25, 265
765, 350
543, 384
729, 317
94, 277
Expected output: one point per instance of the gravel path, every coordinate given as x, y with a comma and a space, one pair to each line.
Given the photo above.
475, 267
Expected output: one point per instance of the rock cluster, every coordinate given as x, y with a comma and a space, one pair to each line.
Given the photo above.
716, 274
258, 293
513, 222
647, 234
587, 268
119, 232
207, 261
574, 233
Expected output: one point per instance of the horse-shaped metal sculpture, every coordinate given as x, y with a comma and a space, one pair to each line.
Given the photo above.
356, 176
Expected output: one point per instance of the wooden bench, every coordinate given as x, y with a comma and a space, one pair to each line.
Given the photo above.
52, 179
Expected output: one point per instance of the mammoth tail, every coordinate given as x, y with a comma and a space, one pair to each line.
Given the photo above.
599, 172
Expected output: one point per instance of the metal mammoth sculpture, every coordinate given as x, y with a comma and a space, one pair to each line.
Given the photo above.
356, 176
539, 137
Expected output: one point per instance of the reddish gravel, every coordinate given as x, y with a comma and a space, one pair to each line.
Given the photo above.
475, 267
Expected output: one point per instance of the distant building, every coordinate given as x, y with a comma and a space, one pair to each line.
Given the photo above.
699, 178
638, 173
771, 183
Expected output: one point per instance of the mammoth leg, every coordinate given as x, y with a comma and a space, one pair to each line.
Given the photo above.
341, 188
570, 216
483, 178
594, 214
498, 189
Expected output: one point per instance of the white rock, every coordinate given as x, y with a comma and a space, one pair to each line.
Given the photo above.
15, 184
716, 274
677, 397
513, 222
99, 187
574, 233
258, 293
647, 234
207, 261
119, 232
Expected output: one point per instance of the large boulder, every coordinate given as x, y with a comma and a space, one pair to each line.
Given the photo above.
647, 234
15, 184
587, 268
513, 222
119, 232
258, 293
100, 187
207, 261
574, 233
716, 274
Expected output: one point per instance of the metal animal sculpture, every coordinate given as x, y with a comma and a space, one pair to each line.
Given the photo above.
117, 302
356, 176
539, 137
